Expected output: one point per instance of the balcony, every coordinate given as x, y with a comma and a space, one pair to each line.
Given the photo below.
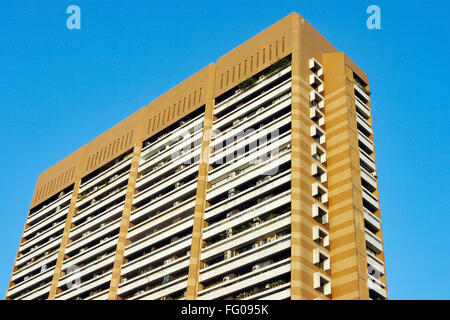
272, 131
317, 116
93, 268
40, 292
367, 161
152, 275
315, 67
362, 92
316, 83
38, 253
258, 104
319, 172
318, 153
373, 242
369, 200
368, 180
363, 125
46, 223
245, 125
43, 237
183, 149
277, 292
251, 279
321, 259
56, 205
362, 108
317, 134
372, 220
246, 172
157, 255
241, 222
316, 99
32, 268
160, 291
319, 192
247, 258
377, 286
320, 213
85, 287
283, 179
247, 237
222, 107
375, 263
107, 175
320, 236
99, 192
43, 276
322, 283
365, 143
190, 128
98, 236
170, 232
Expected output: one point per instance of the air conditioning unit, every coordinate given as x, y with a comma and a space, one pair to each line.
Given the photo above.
256, 267
166, 262
229, 232
225, 279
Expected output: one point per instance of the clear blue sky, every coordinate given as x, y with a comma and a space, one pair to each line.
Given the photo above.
59, 89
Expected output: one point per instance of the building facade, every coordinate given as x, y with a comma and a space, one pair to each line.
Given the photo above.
255, 178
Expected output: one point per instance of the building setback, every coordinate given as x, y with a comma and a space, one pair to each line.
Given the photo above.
255, 178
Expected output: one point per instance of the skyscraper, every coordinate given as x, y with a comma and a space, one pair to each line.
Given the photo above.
255, 178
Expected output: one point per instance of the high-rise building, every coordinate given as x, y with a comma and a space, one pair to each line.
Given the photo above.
255, 178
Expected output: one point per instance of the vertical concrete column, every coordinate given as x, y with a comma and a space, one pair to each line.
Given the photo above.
127, 208
301, 203
200, 199
68, 225
346, 216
